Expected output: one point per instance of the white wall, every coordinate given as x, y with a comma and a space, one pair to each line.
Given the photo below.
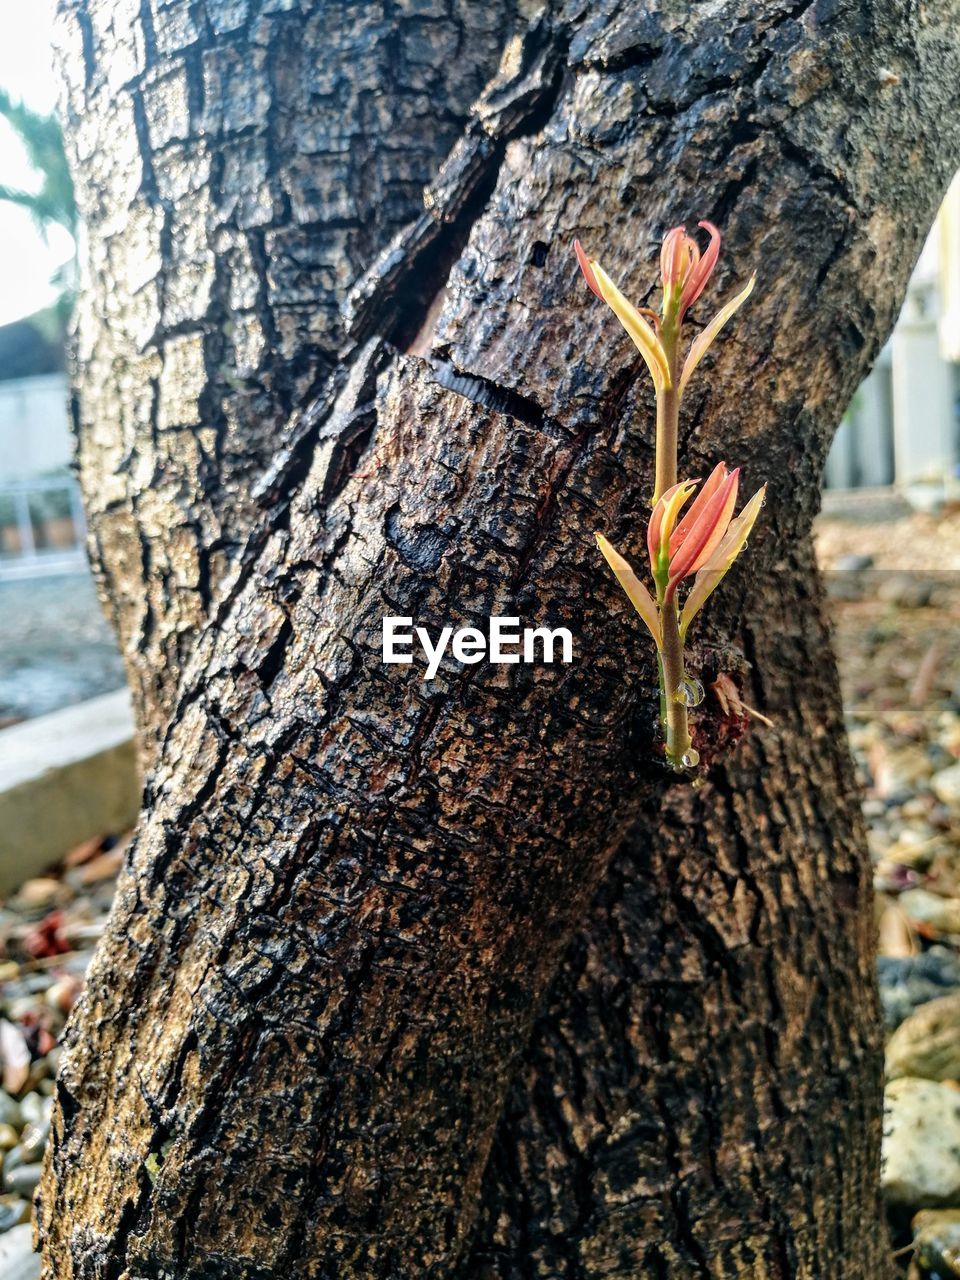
34, 433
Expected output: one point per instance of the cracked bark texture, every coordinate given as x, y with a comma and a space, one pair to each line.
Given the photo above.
238, 164
343, 1022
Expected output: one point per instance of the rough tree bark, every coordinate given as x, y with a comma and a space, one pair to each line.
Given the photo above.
340, 1024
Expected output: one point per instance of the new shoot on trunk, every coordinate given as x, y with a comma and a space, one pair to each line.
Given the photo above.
701, 540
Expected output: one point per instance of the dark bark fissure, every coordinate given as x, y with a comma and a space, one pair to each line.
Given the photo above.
347, 903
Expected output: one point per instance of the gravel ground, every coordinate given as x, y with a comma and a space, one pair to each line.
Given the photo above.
56, 647
912, 541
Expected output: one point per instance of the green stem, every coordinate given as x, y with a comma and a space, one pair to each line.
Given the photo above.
668, 417
679, 741
673, 705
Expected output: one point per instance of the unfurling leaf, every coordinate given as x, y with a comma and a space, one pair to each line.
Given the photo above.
641, 331
637, 593
703, 341
710, 576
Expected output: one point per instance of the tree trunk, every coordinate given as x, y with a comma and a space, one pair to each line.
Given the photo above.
238, 164
352, 893
701, 1095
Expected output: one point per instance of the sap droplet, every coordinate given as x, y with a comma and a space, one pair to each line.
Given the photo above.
690, 758
689, 692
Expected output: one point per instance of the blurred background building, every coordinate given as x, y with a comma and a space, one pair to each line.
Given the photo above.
41, 517
903, 426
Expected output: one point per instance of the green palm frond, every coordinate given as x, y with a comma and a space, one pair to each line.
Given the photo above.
43, 143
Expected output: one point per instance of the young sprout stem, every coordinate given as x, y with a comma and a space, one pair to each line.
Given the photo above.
668, 416
677, 727
703, 543
673, 705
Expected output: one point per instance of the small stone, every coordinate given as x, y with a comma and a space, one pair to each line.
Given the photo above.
941, 914
8, 1137
853, 563
35, 1109
21, 1008
38, 1070
916, 847
38, 894
915, 808
946, 786
83, 852
900, 772
33, 1140
843, 587
927, 1044
921, 1144
936, 1240
84, 935
10, 1112
16, 1057
906, 591
24, 1180
895, 938
63, 994
104, 866
12, 1160
36, 983
906, 983
13, 1211
17, 1259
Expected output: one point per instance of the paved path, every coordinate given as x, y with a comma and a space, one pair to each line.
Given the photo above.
55, 646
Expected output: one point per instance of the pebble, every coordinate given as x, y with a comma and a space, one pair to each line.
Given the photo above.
39, 894
10, 1112
34, 1139
17, 1259
927, 1043
906, 591
908, 983
941, 914
854, 562
34, 1108
921, 1144
13, 1210
936, 1241
62, 995
23, 1180
843, 587
104, 866
946, 786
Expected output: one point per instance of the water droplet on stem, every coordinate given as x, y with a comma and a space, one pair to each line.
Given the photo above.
689, 692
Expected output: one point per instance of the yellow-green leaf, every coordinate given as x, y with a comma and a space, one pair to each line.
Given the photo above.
636, 592
640, 330
701, 344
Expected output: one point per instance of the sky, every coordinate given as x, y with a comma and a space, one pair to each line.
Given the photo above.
26, 72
